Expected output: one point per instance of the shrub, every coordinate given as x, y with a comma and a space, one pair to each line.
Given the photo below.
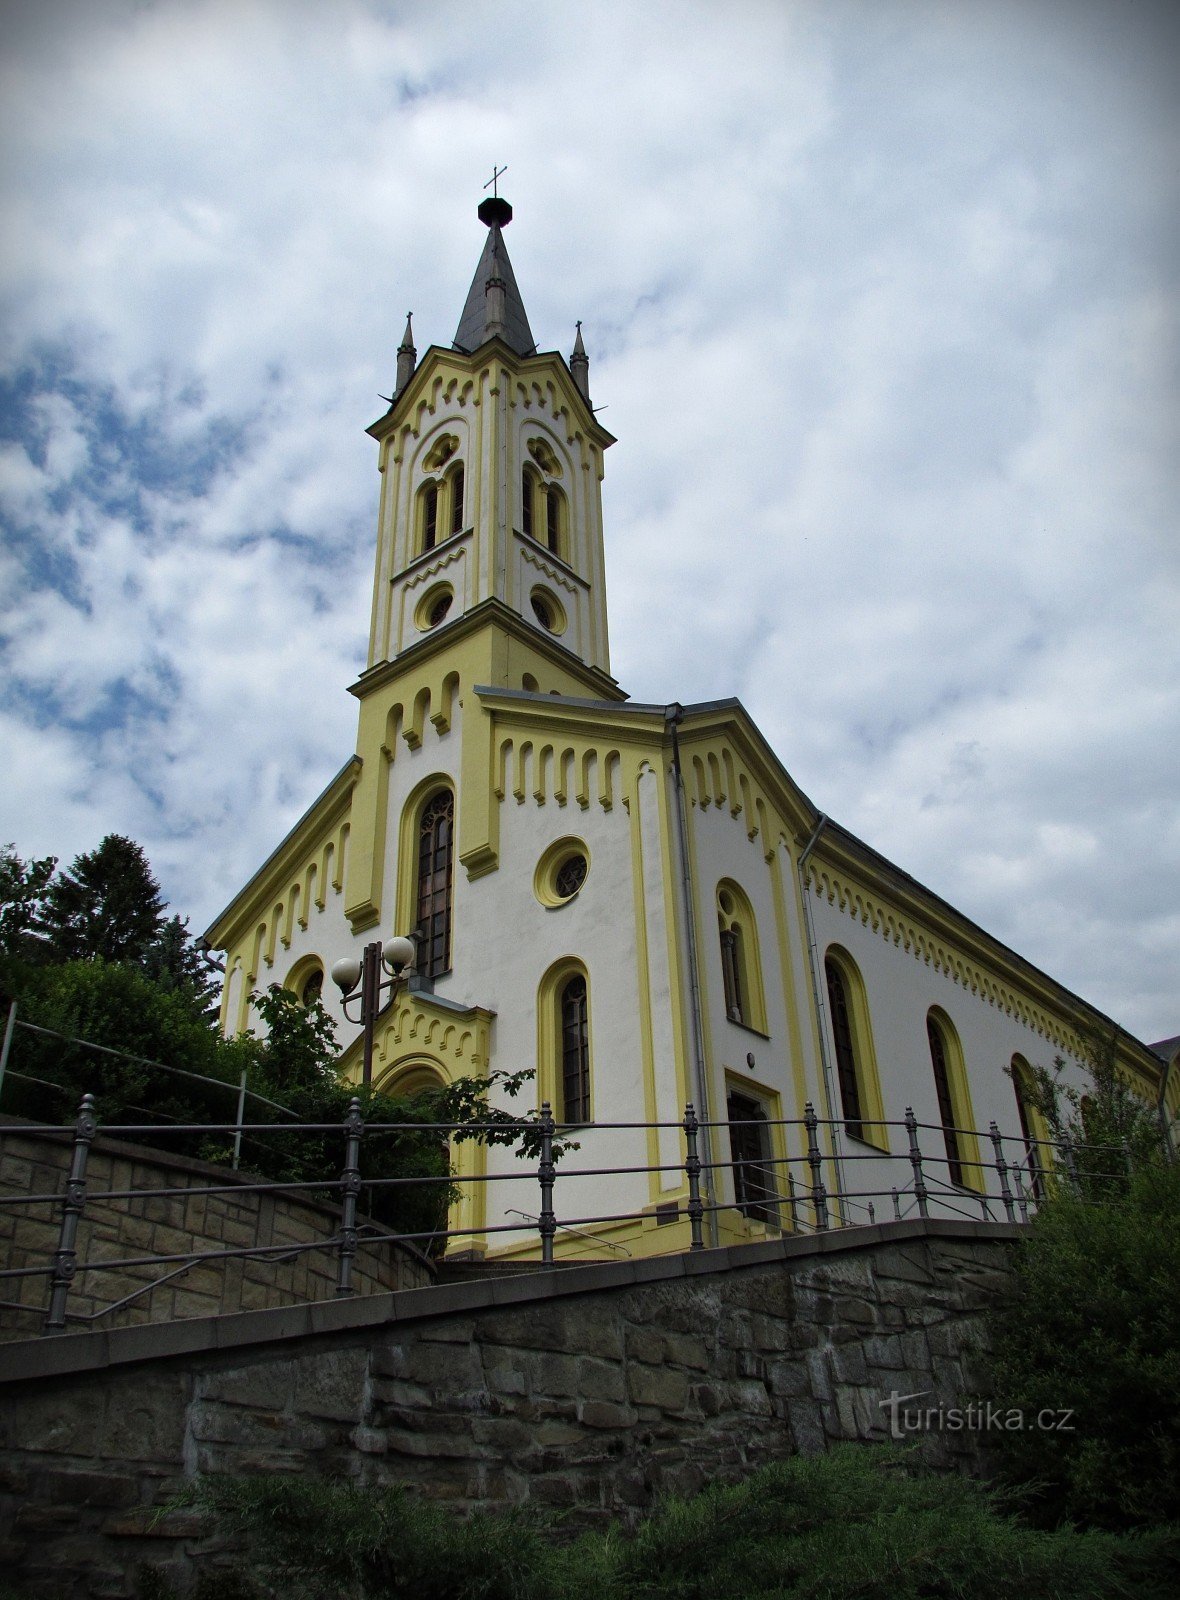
1094, 1325
861, 1523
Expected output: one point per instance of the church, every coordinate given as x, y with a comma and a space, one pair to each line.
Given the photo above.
634, 902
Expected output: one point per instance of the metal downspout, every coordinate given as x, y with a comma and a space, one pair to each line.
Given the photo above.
820, 1008
672, 716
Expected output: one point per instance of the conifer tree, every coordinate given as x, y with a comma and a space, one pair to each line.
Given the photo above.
22, 888
107, 905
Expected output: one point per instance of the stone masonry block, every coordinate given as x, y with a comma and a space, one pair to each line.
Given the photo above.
330, 1384
604, 1414
111, 1490
266, 1384
600, 1380
657, 1386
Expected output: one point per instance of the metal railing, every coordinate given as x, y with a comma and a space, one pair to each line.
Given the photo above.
785, 1193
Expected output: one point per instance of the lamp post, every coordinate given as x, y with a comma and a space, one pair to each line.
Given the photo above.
395, 956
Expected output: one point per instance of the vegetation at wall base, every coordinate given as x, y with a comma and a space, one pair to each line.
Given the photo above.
1093, 1325
864, 1522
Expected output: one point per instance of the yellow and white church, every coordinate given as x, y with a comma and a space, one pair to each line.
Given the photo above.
634, 901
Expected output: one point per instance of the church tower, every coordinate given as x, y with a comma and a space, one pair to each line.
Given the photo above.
489, 564
491, 509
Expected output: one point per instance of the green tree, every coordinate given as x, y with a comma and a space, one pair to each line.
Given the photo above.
1093, 1327
22, 888
178, 966
117, 1007
108, 905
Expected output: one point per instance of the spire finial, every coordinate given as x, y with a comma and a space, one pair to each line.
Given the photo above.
495, 212
580, 364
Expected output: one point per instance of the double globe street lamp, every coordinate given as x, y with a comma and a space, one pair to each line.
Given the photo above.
396, 957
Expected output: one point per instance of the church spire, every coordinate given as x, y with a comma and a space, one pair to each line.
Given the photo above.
407, 356
494, 308
580, 364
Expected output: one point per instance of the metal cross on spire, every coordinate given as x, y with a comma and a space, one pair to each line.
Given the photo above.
497, 173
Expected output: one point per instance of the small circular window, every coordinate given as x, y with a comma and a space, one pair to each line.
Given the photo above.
547, 610
561, 872
434, 606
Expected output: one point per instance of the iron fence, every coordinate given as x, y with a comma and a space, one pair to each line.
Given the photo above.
783, 1192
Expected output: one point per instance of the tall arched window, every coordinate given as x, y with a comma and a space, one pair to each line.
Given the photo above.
853, 1051
741, 968
846, 1065
436, 839
575, 1050
946, 1105
1032, 1127
430, 516
457, 498
553, 518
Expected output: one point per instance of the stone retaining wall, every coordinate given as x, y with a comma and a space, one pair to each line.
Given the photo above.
593, 1389
36, 1161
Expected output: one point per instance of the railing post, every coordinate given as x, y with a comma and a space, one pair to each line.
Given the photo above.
1021, 1199
546, 1172
350, 1188
241, 1118
896, 1205
65, 1262
794, 1204
9, 1028
819, 1195
911, 1128
1002, 1169
692, 1166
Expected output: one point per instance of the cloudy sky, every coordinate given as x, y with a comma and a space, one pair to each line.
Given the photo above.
881, 302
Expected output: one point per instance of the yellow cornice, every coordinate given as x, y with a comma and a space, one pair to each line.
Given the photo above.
490, 613
494, 353
285, 862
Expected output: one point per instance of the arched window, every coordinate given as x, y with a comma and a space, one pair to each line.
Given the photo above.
741, 968
564, 1045
436, 839
1032, 1127
313, 986
954, 1101
575, 1050
846, 1067
430, 516
554, 518
457, 498
852, 1046
946, 1108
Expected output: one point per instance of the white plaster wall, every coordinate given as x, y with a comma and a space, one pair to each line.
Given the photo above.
506, 940
901, 988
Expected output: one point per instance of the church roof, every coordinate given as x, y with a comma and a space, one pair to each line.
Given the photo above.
494, 266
